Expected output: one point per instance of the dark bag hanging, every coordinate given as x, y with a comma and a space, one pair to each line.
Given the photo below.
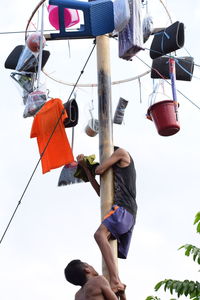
168, 40
71, 108
31, 65
184, 68
120, 110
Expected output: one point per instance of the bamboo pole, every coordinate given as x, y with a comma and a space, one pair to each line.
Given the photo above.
105, 130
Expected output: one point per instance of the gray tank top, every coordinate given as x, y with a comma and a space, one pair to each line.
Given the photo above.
125, 187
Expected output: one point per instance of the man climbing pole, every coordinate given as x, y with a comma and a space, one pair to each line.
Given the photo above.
93, 285
119, 222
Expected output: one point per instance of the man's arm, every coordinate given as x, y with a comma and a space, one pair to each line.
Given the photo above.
120, 155
106, 289
92, 180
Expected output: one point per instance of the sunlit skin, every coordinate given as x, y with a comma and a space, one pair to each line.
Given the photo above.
96, 287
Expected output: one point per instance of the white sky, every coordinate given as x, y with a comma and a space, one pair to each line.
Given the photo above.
56, 224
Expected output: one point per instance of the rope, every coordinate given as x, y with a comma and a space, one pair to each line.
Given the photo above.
95, 84
22, 31
32, 15
42, 154
166, 11
186, 71
41, 47
140, 89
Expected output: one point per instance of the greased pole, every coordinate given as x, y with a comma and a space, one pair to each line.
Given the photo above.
105, 130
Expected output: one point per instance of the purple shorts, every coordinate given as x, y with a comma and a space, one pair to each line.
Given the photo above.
120, 223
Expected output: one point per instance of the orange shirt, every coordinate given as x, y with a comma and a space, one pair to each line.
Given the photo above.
58, 151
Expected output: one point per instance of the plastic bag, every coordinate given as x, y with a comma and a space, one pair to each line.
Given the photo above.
121, 14
25, 80
34, 103
147, 27
33, 42
25, 96
27, 60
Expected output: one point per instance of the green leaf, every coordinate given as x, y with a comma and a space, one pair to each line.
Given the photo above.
181, 247
175, 284
179, 285
168, 284
171, 287
198, 228
149, 298
193, 294
188, 249
197, 218
196, 252
186, 287
179, 288
152, 298
158, 285
198, 287
191, 286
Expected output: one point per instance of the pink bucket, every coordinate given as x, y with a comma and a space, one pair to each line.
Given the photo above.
71, 16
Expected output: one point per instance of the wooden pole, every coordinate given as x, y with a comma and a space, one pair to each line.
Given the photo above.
105, 130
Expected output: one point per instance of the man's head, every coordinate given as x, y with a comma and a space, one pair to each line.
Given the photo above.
77, 272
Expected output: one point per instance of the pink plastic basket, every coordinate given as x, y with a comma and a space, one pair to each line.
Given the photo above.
71, 16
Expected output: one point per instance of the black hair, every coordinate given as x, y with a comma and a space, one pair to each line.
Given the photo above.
75, 273
115, 148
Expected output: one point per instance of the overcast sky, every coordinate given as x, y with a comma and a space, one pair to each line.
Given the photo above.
54, 225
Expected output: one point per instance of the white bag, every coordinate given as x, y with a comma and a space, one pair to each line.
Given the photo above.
147, 27
121, 14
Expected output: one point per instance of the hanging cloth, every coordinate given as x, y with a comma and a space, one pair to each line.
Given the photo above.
67, 175
91, 164
58, 151
131, 37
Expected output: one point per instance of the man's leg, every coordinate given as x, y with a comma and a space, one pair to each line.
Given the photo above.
102, 236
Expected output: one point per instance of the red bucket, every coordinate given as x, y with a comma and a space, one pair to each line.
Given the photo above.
165, 117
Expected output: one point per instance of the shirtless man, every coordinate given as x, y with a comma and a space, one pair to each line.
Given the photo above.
93, 285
